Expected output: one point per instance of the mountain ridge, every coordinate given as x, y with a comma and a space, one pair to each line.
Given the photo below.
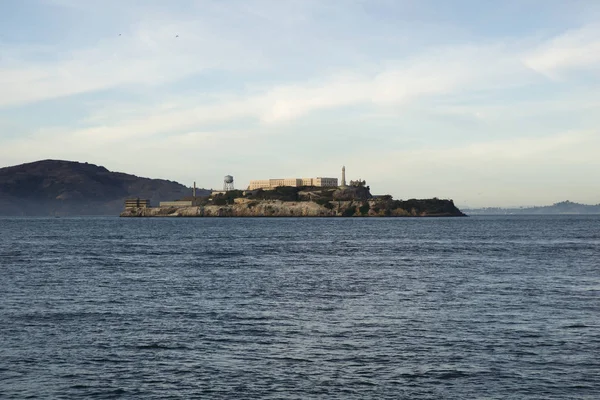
62, 188
561, 208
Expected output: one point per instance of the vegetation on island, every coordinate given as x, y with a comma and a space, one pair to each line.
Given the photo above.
353, 201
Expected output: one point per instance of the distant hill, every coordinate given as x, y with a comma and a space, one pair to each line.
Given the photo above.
55, 187
564, 207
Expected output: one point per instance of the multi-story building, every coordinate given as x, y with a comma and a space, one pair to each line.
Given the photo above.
137, 203
294, 182
325, 181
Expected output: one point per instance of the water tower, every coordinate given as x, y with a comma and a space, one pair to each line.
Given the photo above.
228, 183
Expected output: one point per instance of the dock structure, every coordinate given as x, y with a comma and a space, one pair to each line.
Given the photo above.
137, 203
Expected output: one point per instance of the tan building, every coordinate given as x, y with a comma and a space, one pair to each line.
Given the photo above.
137, 203
294, 182
325, 182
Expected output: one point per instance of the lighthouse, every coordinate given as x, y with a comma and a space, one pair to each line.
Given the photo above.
343, 185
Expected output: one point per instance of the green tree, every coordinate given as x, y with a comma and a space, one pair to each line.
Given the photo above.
349, 212
364, 209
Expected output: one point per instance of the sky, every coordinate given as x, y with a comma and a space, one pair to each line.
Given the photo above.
488, 103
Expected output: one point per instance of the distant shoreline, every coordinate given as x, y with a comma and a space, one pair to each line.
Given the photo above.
561, 208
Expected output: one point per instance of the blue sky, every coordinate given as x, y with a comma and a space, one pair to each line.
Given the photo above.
489, 103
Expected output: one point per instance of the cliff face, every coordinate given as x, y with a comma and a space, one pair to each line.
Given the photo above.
277, 208
55, 187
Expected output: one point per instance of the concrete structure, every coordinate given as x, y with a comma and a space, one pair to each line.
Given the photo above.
137, 203
268, 184
178, 203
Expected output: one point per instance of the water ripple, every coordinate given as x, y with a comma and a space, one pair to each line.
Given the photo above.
487, 307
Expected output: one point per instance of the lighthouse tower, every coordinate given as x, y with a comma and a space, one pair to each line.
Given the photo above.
343, 185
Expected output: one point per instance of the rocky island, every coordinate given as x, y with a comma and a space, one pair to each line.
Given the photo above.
68, 188
299, 202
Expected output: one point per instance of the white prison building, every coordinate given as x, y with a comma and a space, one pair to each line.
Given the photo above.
295, 182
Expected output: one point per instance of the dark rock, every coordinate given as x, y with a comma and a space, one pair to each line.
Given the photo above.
358, 193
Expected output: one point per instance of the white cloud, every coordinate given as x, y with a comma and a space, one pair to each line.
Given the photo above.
435, 73
575, 49
148, 55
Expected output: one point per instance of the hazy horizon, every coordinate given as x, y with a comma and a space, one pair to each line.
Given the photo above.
488, 104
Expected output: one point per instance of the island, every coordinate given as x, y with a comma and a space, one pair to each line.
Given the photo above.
61, 188
301, 201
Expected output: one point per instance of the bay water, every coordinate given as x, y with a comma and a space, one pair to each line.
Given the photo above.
300, 308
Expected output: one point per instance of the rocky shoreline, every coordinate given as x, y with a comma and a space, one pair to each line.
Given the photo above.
277, 208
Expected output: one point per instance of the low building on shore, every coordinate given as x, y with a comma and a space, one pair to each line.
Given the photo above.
137, 203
